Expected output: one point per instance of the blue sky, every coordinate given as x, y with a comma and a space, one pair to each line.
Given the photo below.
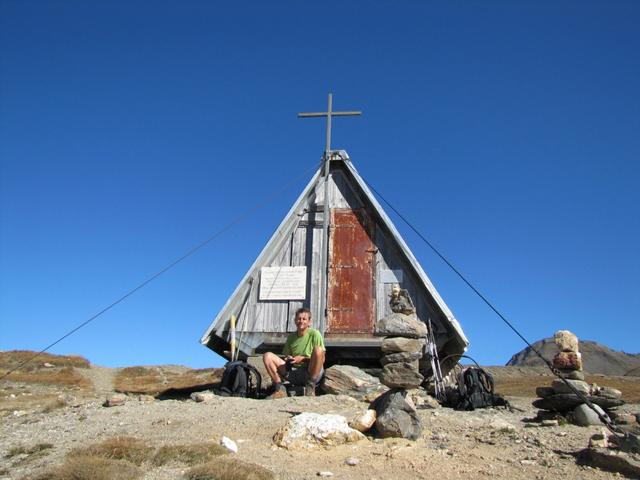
507, 132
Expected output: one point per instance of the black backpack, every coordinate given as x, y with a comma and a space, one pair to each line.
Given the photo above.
240, 380
475, 387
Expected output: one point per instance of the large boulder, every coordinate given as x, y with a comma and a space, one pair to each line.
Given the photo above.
401, 375
408, 357
350, 380
400, 325
308, 430
611, 460
396, 417
584, 416
401, 344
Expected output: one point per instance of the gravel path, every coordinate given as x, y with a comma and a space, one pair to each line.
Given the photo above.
101, 377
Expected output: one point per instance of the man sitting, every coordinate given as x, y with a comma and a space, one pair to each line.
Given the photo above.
303, 358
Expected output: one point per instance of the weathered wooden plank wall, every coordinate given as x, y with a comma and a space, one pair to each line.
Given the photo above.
304, 247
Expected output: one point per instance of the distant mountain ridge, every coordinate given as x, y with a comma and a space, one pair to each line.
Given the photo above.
596, 358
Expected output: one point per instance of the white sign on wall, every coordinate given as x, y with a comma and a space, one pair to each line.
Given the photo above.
283, 283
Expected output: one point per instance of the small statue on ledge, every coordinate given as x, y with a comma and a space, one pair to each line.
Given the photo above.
400, 301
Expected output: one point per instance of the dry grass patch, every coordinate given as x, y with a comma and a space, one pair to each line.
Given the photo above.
60, 377
230, 469
14, 358
20, 450
22, 455
520, 386
130, 449
91, 468
155, 380
138, 452
193, 454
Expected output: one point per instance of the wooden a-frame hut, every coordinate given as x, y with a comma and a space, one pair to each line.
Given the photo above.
365, 257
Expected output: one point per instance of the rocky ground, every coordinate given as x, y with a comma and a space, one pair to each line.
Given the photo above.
480, 444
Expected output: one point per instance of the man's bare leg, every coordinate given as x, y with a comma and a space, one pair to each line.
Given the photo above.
315, 364
273, 363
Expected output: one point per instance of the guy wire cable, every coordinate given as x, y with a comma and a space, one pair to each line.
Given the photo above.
258, 206
604, 418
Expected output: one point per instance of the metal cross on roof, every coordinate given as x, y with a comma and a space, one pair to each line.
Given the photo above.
329, 113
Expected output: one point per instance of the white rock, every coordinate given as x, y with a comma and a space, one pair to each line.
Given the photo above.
202, 396
325, 474
363, 421
566, 341
229, 444
501, 425
115, 400
308, 430
48, 365
352, 461
599, 440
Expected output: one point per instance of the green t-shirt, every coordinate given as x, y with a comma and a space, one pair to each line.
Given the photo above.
304, 345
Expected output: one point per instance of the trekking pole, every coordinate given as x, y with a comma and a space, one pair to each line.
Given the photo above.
233, 338
435, 363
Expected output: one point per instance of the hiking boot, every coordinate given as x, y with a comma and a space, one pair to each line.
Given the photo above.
310, 390
280, 392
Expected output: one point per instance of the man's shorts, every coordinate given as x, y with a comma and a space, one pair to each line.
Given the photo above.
300, 376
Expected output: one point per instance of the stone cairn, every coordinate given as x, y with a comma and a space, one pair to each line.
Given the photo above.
403, 345
558, 399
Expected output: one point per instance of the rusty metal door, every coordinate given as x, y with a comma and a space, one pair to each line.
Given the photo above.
350, 303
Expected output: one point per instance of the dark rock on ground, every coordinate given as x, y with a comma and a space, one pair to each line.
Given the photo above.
611, 460
396, 417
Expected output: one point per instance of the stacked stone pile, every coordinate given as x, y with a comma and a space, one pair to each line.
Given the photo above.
403, 343
559, 398
402, 347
